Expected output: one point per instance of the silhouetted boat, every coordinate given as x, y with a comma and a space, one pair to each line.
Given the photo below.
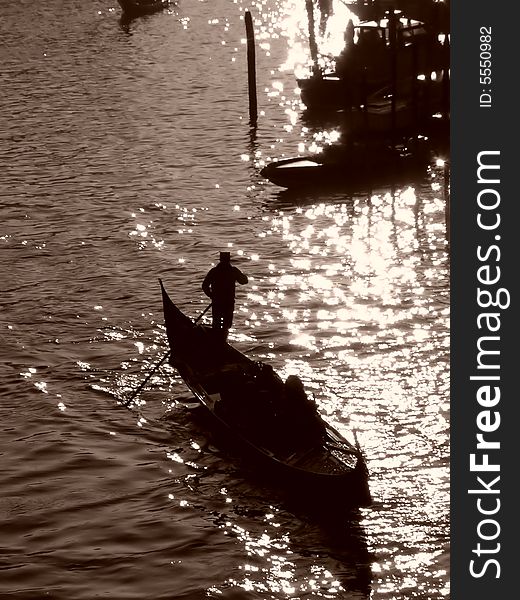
355, 167
370, 62
409, 109
435, 12
136, 8
249, 406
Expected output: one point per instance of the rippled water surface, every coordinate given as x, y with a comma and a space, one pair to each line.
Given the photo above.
126, 156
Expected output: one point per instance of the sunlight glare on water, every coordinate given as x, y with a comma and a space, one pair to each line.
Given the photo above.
363, 287
128, 156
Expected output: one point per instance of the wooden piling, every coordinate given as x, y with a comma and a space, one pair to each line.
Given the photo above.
446, 77
251, 69
392, 31
447, 200
312, 36
415, 92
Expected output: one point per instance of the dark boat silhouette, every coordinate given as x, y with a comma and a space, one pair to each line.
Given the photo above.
356, 167
137, 8
245, 403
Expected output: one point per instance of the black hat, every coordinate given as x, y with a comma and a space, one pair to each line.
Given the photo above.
225, 256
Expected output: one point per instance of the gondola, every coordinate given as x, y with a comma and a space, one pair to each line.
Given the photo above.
356, 167
136, 8
268, 423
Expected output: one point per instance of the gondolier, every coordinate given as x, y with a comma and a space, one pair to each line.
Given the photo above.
219, 285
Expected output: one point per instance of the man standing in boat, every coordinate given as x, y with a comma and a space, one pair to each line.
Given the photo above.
219, 285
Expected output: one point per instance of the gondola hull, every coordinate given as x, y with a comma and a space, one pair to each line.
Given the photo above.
242, 402
355, 169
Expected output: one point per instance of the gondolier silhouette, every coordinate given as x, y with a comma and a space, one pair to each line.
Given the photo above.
219, 285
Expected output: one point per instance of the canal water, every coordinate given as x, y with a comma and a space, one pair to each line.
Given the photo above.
127, 155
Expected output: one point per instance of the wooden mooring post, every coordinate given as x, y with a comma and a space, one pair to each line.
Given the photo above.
312, 36
392, 31
447, 202
251, 69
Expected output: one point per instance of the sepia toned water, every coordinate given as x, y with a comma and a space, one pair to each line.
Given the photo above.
126, 155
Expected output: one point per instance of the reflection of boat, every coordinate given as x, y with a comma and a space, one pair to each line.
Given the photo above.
370, 61
356, 167
268, 422
136, 8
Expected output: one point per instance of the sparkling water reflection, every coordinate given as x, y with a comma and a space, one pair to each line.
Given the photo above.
128, 156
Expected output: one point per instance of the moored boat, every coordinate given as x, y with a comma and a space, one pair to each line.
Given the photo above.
136, 8
410, 108
358, 167
371, 61
274, 427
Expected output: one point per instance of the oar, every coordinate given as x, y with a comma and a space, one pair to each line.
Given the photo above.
127, 402
203, 312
